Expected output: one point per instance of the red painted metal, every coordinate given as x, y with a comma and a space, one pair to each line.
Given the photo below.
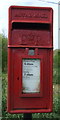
30, 28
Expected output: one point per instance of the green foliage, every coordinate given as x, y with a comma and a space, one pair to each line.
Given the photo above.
4, 93
4, 53
0, 54
58, 58
56, 67
59, 67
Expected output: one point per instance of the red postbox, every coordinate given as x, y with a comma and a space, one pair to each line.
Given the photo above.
30, 59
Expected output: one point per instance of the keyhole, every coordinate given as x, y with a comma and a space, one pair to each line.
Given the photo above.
31, 52
17, 78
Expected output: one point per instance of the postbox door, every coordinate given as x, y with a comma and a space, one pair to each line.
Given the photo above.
40, 97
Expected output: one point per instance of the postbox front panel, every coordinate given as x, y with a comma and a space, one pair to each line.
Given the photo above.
30, 61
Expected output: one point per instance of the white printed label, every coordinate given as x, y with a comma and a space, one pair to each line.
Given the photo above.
31, 76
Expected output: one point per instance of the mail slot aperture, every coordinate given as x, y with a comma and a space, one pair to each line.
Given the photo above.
33, 26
